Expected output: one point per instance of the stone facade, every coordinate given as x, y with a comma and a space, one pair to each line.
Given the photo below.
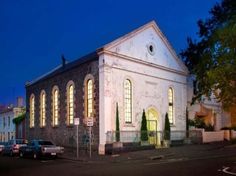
64, 134
146, 59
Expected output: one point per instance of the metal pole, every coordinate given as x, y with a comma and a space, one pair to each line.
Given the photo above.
77, 141
90, 135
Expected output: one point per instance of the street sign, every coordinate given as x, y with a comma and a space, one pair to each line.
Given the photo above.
76, 121
90, 122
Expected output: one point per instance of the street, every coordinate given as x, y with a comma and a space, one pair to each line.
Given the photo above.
197, 161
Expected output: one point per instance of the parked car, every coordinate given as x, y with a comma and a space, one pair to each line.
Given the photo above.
2, 145
12, 147
39, 148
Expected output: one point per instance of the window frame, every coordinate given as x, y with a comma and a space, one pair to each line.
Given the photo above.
32, 111
70, 103
128, 100
89, 102
89, 98
55, 106
171, 105
42, 109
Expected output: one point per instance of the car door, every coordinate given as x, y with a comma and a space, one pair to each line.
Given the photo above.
29, 148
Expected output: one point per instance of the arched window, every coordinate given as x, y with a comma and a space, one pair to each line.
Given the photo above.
171, 106
32, 110
70, 103
55, 106
89, 98
128, 101
43, 109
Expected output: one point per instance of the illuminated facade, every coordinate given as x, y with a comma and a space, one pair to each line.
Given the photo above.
138, 71
8, 129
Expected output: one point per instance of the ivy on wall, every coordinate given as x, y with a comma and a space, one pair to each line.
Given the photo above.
19, 118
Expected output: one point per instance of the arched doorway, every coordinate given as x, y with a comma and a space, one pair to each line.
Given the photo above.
153, 127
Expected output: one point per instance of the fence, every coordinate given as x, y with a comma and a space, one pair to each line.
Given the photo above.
154, 137
212, 136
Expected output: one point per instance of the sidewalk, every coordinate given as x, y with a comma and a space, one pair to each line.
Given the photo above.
184, 151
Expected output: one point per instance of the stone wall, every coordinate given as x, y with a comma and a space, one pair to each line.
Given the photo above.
63, 134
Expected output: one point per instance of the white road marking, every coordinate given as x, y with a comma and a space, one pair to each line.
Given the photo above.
227, 172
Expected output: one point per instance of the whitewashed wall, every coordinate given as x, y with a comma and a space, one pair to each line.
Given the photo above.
151, 76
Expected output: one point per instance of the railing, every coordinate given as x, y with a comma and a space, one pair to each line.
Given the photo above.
154, 137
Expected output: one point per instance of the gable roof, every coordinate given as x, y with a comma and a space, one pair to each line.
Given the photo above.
95, 54
153, 25
63, 68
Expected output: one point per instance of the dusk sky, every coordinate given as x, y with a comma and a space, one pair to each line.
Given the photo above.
34, 33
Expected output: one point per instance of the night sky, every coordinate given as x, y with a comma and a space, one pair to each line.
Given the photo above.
34, 33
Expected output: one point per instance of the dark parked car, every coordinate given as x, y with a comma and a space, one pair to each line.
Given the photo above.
2, 146
39, 148
12, 147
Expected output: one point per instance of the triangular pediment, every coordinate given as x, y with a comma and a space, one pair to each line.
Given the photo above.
148, 44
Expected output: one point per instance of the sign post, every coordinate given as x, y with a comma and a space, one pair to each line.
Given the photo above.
76, 123
90, 124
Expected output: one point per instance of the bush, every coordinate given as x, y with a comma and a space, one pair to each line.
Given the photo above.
233, 128
167, 128
144, 133
199, 123
225, 128
209, 127
117, 124
191, 122
229, 128
19, 118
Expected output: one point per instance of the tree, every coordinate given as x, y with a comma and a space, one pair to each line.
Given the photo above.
144, 134
167, 128
212, 59
117, 124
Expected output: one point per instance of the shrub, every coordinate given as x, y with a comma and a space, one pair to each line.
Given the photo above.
19, 118
191, 122
117, 124
209, 127
144, 134
199, 123
167, 128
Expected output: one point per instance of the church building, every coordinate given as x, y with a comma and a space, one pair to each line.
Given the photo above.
138, 71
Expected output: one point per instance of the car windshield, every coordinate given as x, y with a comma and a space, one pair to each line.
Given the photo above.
45, 143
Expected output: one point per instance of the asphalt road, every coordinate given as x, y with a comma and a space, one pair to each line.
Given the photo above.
211, 164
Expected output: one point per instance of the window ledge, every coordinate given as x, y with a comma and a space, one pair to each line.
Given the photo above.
69, 125
55, 126
129, 125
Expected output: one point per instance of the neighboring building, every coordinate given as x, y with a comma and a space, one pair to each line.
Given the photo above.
138, 71
7, 127
210, 110
20, 126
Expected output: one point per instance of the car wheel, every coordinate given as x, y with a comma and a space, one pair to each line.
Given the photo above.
21, 154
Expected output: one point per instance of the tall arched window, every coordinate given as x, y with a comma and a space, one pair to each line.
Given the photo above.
43, 109
32, 110
55, 106
89, 98
128, 101
70, 103
171, 106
